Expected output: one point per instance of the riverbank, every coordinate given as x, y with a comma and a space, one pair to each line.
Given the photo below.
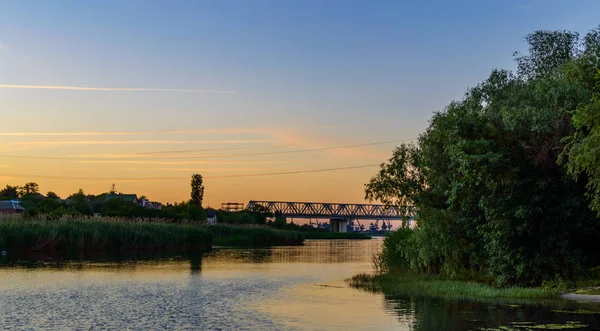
80, 234
435, 286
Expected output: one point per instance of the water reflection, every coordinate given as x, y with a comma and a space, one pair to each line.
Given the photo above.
282, 288
443, 314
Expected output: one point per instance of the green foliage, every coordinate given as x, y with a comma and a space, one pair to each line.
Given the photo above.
197, 193
175, 212
9, 193
29, 189
490, 196
241, 217
396, 251
280, 221
435, 286
52, 195
583, 151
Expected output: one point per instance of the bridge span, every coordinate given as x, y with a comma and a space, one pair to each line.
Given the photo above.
313, 210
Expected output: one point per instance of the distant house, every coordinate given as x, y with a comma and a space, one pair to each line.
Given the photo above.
150, 205
11, 207
211, 216
131, 198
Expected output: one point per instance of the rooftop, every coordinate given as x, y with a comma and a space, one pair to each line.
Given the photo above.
5, 205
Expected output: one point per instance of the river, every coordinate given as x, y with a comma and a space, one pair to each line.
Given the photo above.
283, 288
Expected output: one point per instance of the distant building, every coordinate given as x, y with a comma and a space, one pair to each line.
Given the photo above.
150, 205
232, 206
211, 216
11, 207
132, 198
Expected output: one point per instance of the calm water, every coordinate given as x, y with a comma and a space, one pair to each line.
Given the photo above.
286, 288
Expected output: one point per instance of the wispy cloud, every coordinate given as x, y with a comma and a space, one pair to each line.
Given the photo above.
130, 133
322, 141
179, 162
199, 170
130, 89
139, 142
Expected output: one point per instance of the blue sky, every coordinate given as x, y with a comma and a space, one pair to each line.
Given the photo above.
321, 73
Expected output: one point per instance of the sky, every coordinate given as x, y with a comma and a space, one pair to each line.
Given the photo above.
268, 100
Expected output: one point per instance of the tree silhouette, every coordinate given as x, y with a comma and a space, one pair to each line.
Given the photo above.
52, 195
197, 193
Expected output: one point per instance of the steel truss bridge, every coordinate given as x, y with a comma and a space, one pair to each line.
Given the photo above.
313, 210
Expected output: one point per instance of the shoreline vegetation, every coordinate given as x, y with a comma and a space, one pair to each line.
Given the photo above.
436, 286
68, 234
504, 184
116, 235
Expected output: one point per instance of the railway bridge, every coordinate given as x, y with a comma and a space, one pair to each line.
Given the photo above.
340, 215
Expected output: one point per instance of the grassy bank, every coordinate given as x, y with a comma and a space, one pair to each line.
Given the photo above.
253, 236
421, 285
334, 235
103, 234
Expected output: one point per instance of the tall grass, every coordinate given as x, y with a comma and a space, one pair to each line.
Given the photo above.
226, 235
108, 234
436, 286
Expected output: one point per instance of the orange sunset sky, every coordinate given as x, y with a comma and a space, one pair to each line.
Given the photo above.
144, 93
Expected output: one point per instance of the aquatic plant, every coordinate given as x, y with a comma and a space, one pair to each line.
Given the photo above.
111, 234
429, 285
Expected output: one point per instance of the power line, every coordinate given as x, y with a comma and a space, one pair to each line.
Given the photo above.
297, 172
209, 156
297, 151
181, 178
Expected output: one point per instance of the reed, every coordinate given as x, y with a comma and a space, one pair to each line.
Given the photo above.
108, 234
436, 286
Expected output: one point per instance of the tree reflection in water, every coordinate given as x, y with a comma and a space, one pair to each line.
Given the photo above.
426, 313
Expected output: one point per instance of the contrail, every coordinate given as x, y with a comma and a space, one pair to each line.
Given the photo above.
134, 89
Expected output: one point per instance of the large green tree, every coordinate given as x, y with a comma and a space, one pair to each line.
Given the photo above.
582, 154
490, 196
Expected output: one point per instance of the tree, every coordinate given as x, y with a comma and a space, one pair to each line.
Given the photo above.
197, 193
9, 193
582, 154
548, 50
29, 189
79, 203
490, 195
280, 220
52, 195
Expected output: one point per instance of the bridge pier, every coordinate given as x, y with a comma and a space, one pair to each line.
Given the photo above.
338, 225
